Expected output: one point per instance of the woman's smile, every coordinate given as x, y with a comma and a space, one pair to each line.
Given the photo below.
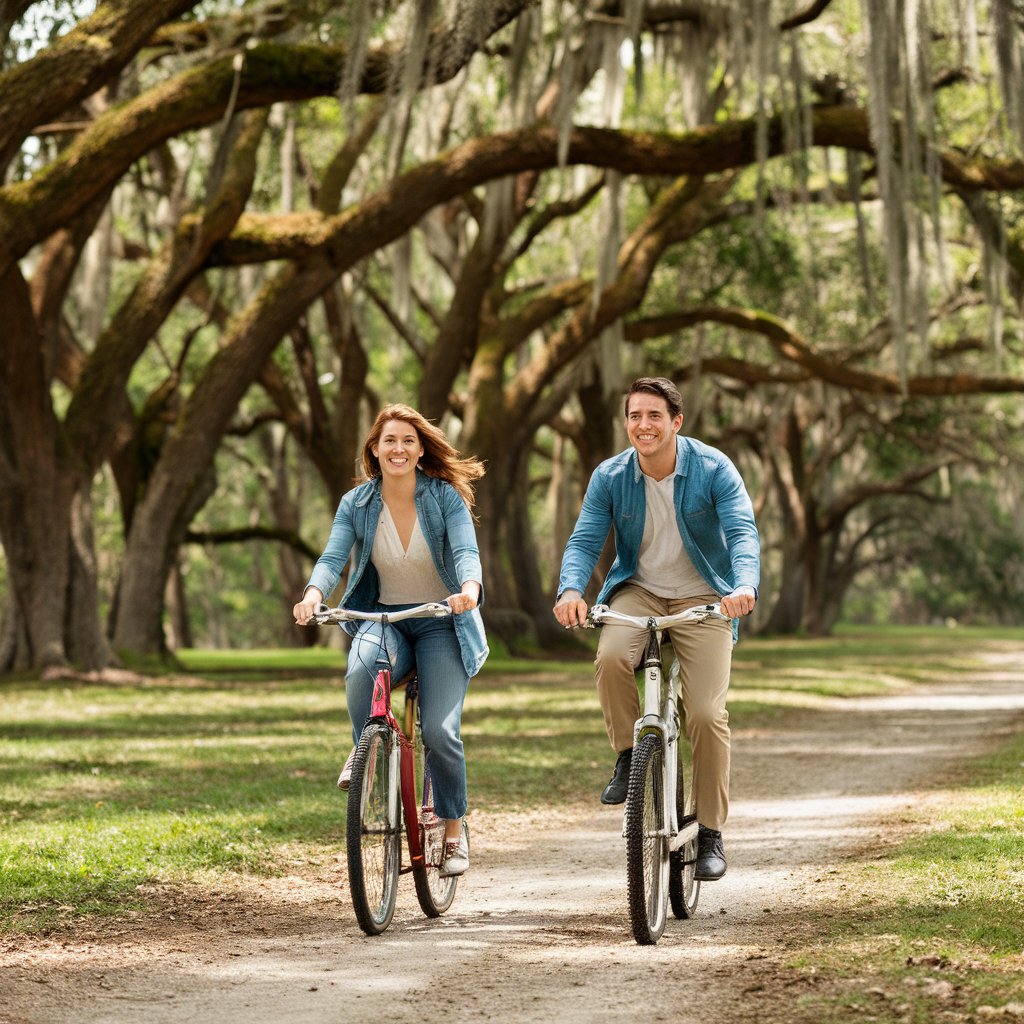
399, 449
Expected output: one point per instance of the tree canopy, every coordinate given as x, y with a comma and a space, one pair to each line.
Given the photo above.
229, 231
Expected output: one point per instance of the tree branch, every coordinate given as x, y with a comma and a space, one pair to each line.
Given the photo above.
142, 313
247, 533
31, 210
788, 343
805, 16
850, 499
77, 64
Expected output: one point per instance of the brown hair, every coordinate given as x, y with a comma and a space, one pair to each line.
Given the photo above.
440, 459
660, 386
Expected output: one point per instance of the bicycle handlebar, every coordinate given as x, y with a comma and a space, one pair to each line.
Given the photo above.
325, 615
601, 613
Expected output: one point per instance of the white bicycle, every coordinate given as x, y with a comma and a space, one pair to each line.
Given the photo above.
660, 826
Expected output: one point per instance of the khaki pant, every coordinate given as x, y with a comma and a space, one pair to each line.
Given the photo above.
704, 651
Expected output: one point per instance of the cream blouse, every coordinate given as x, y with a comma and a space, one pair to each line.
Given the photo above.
407, 576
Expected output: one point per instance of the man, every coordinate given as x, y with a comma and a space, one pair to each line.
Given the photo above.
684, 535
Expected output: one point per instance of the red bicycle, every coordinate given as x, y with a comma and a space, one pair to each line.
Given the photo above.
385, 788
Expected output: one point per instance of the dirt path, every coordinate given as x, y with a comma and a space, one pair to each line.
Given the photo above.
539, 930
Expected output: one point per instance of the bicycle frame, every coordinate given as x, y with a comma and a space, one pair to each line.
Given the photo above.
404, 758
661, 717
661, 703
380, 709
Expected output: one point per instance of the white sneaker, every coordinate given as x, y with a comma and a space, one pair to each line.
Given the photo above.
346, 773
456, 857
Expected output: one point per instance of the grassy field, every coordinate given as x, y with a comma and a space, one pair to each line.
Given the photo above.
230, 769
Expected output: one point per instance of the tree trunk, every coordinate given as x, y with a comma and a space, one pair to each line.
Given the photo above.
180, 629
285, 508
87, 646
158, 529
815, 585
532, 596
36, 488
493, 493
787, 614
490, 436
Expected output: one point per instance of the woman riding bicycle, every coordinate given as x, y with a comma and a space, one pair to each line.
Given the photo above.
409, 530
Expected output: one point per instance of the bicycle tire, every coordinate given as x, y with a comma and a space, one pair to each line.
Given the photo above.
683, 887
647, 854
435, 894
374, 830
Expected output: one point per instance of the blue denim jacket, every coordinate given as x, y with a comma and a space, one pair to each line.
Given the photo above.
713, 511
448, 528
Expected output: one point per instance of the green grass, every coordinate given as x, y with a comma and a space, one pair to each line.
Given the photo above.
865, 661
103, 788
231, 769
939, 926
291, 661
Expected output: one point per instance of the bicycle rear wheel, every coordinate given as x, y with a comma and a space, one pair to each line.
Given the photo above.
435, 894
374, 830
683, 888
647, 854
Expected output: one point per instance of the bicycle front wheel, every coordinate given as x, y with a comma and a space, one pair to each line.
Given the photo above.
434, 893
374, 830
683, 888
647, 854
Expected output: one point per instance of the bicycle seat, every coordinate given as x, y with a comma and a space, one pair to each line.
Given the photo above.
405, 680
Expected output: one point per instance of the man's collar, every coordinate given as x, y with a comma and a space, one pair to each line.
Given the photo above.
680, 470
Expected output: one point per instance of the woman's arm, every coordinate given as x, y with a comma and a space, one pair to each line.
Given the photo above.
463, 543
329, 566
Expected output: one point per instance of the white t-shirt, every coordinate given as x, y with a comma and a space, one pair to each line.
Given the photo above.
406, 576
663, 566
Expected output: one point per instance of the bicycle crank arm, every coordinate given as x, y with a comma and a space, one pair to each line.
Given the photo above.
687, 833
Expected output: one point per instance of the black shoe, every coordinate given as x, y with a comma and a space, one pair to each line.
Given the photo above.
615, 791
710, 855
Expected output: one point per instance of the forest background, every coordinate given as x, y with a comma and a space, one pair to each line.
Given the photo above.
230, 231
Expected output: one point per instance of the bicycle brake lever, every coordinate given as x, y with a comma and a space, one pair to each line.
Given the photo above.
322, 614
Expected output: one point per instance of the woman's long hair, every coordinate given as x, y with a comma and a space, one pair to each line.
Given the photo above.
440, 459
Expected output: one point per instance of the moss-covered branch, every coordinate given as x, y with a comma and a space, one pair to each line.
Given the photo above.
788, 343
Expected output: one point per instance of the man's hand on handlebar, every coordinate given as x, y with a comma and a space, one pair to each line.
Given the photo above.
740, 602
571, 609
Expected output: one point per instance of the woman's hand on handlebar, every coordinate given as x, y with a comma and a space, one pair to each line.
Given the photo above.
303, 611
466, 600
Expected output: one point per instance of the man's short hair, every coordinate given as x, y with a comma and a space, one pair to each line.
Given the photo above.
660, 386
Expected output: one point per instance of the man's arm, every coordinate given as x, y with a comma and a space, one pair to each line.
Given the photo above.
582, 552
736, 515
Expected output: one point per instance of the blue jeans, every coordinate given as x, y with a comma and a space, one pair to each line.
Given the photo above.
430, 645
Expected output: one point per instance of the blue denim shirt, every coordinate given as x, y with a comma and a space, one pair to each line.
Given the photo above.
713, 512
448, 528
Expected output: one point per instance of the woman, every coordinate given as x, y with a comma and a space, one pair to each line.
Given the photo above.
410, 532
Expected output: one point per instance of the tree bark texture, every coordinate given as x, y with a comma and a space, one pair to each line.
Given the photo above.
37, 483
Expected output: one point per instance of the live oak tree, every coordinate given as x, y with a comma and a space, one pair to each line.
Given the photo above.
731, 114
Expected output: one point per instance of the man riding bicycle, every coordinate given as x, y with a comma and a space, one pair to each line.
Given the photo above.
684, 535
